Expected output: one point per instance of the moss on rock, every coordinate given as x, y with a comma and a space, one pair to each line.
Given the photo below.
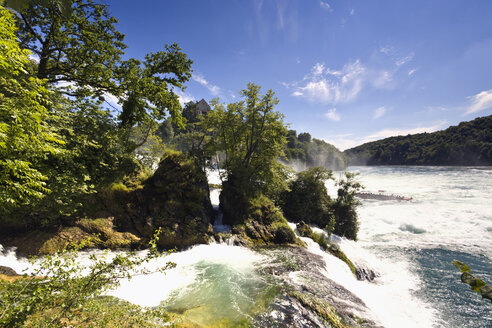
265, 224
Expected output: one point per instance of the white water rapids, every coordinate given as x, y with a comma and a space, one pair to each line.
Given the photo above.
409, 244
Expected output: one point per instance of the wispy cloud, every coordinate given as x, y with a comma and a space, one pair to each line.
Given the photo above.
214, 90
479, 102
326, 85
385, 133
346, 141
184, 97
352, 12
332, 115
386, 49
325, 5
403, 60
379, 112
411, 72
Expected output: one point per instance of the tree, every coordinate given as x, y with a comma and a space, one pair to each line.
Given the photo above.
252, 136
26, 137
345, 207
81, 54
304, 137
82, 49
307, 198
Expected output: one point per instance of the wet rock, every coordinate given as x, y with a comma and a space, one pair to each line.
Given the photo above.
365, 273
308, 298
7, 271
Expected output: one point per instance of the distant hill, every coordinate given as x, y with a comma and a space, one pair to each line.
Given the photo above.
302, 152
469, 143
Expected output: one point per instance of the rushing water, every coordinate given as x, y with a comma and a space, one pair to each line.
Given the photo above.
450, 217
408, 244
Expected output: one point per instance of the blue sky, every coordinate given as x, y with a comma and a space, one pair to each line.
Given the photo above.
345, 71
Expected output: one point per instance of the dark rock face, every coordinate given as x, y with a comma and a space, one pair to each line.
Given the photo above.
365, 273
6, 271
175, 198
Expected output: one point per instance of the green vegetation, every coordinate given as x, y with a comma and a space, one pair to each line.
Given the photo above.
61, 287
469, 143
302, 151
60, 145
476, 284
307, 200
251, 136
306, 231
320, 307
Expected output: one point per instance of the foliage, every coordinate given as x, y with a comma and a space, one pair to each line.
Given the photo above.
469, 143
307, 198
25, 135
61, 284
266, 224
476, 284
56, 150
81, 55
345, 205
306, 152
251, 134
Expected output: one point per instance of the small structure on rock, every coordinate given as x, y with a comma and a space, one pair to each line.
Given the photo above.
202, 108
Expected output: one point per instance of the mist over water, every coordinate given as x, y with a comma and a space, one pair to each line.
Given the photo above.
450, 217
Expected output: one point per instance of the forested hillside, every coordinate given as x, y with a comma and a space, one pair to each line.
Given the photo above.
302, 152
469, 143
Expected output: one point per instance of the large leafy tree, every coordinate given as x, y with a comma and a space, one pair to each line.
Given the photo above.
26, 137
81, 49
251, 135
81, 53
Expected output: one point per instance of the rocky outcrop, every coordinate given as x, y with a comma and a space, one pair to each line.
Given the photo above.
265, 225
175, 198
306, 297
7, 271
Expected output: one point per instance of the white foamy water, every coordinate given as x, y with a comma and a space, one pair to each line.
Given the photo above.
390, 298
151, 290
451, 208
409, 244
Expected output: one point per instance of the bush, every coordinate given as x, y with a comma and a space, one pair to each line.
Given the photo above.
308, 198
60, 285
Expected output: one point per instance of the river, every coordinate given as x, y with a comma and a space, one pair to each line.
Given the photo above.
409, 244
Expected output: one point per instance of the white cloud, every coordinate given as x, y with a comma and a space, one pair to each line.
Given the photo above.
318, 69
325, 5
352, 12
337, 86
332, 115
34, 57
379, 112
387, 50
411, 72
403, 60
298, 60
214, 90
184, 97
479, 102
